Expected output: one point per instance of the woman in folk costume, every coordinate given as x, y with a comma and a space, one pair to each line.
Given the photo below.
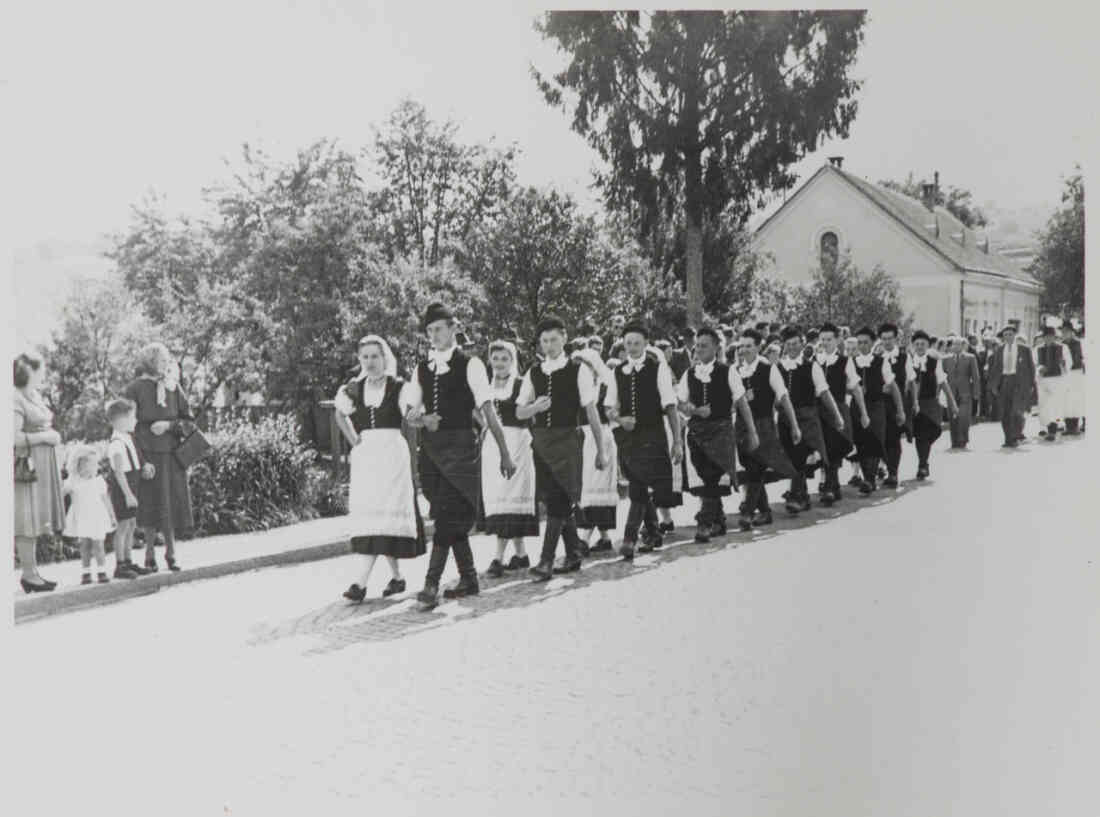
1075, 380
806, 384
510, 510
708, 393
555, 393
447, 389
1052, 363
599, 487
877, 380
926, 380
640, 400
764, 390
381, 496
840, 374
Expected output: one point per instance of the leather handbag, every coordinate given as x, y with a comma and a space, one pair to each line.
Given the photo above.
193, 447
24, 468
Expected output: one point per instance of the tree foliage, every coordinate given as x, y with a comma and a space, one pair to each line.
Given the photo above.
956, 200
1060, 263
845, 294
702, 111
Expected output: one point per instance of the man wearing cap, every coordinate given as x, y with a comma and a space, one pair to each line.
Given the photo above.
447, 389
1053, 361
1012, 384
965, 382
640, 399
806, 384
556, 393
1075, 380
708, 393
878, 384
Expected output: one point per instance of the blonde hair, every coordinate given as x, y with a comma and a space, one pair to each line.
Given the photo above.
79, 454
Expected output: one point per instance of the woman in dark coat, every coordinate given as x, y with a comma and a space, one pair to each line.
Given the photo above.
163, 421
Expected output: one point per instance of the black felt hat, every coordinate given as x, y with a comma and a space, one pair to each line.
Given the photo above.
920, 334
436, 312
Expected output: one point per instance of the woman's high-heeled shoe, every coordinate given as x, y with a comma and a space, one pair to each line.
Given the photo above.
171, 562
31, 587
355, 593
151, 566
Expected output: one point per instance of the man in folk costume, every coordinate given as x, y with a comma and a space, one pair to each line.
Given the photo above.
1052, 361
640, 399
1075, 380
965, 381
925, 381
898, 359
450, 387
878, 384
805, 381
708, 393
555, 393
840, 374
1012, 384
764, 389
600, 487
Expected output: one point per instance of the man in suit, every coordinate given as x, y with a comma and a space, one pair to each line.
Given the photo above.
965, 382
1012, 384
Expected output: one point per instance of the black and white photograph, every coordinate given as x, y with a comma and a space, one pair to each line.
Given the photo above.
497, 409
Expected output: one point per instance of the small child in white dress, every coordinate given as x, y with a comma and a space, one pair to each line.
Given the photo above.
90, 517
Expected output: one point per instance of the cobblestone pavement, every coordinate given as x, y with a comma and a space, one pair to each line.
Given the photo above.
928, 653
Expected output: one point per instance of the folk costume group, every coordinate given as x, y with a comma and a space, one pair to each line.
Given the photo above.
493, 443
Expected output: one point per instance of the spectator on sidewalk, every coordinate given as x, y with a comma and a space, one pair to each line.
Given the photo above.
90, 517
124, 484
163, 421
961, 368
38, 507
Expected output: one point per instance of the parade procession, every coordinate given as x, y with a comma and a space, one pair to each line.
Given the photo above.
722, 413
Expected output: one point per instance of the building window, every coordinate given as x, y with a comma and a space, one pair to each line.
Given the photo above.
829, 251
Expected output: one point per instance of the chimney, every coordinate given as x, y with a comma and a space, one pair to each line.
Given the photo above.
928, 195
936, 183
985, 245
836, 161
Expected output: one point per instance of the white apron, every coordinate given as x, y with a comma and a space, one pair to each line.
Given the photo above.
677, 470
1052, 399
380, 496
600, 489
1075, 393
508, 496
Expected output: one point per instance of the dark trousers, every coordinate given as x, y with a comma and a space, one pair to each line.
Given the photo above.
799, 488
1012, 420
832, 479
642, 512
894, 433
445, 539
924, 448
561, 521
960, 426
710, 510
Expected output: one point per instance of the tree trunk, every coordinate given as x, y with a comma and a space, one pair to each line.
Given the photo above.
693, 189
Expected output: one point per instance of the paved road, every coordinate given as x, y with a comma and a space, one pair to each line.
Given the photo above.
925, 654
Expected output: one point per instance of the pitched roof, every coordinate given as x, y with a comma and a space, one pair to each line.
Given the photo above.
919, 220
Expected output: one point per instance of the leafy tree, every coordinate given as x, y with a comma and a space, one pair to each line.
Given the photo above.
702, 111
1060, 263
956, 200
435, 188
843, 293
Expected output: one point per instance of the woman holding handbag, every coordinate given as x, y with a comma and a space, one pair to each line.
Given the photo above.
163, 422
39, 508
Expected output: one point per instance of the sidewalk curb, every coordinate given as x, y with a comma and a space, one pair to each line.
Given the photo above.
41, 605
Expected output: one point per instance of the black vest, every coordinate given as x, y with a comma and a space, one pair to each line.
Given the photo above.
874, 384
927, 382
506, 408
448, 395
836, 376
638, 395
386, 415
1049, 356
715, 394
1074, 346
800, 384
899, 367
565, 398
762, 402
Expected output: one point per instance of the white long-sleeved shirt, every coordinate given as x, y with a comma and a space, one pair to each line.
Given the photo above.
586, 382
850, 374
666, 389
817, 374
477, 378
703, 373
775, 379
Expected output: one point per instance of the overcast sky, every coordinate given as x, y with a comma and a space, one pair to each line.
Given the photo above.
112, 98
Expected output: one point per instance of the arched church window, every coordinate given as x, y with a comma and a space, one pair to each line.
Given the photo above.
830, 251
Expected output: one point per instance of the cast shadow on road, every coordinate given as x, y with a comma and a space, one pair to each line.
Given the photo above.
340, 624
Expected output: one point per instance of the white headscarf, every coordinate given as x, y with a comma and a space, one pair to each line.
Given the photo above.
510, 348
387, 356
592, 358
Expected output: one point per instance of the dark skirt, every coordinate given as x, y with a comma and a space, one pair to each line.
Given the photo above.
645, 462
450, 476
813, 439
118, 499
928, 422
559, 459
399, 547
165, 500
768, 457
712, 447
512, 525
597, 516
838, 443
870, 441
